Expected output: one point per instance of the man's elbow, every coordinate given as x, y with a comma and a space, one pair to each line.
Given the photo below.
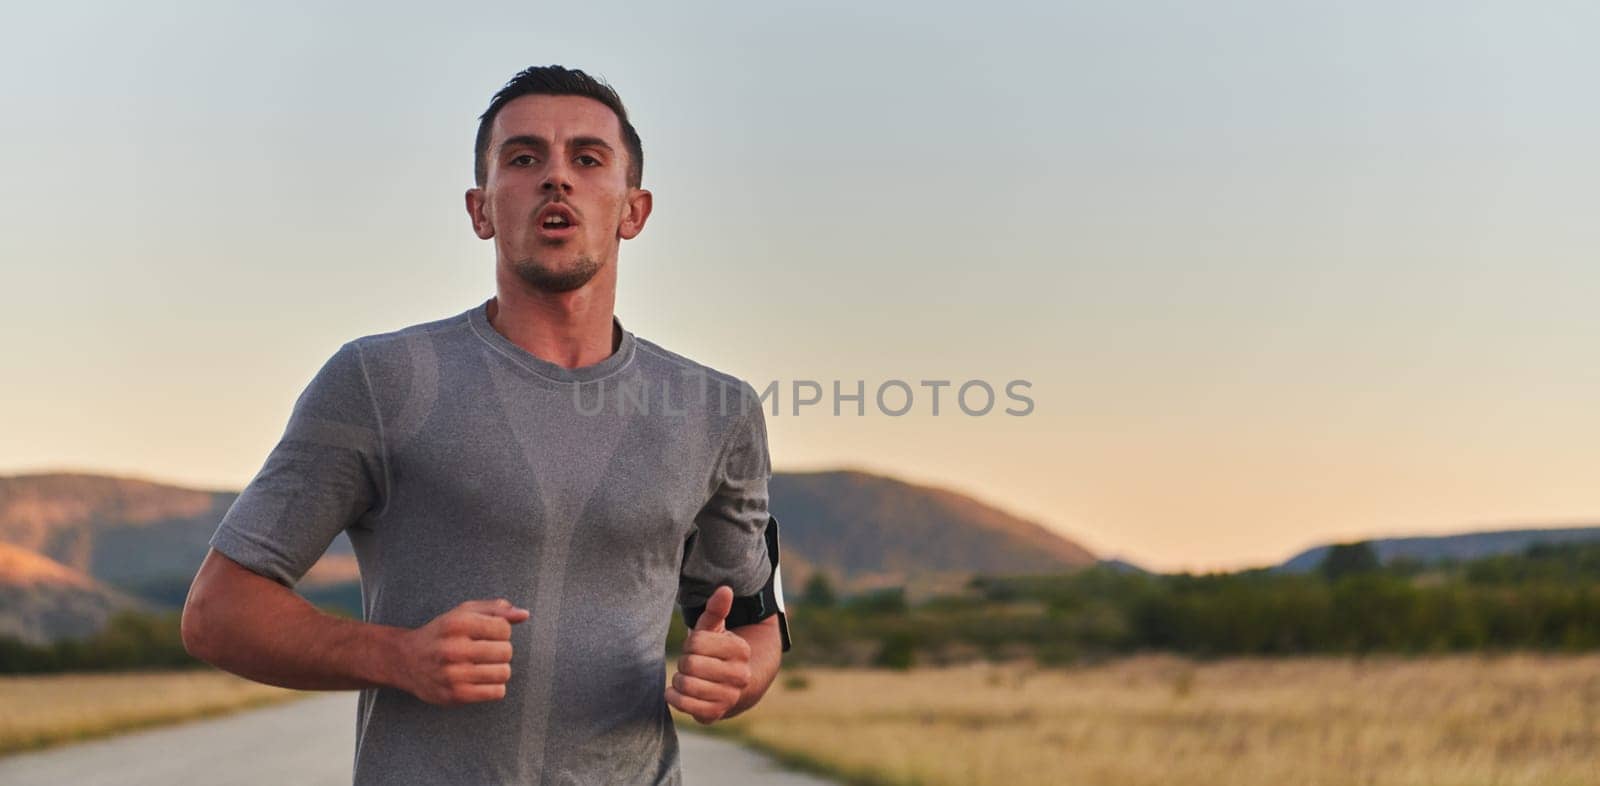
191, 627
197, 625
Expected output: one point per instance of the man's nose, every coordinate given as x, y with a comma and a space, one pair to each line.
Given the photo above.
555, 179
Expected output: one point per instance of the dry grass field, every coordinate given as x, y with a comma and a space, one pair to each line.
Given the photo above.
36, 711
1512, 720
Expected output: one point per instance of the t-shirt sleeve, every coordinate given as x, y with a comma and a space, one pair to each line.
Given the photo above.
324, 475
728, 545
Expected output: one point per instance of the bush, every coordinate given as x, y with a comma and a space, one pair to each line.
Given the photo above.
898, 651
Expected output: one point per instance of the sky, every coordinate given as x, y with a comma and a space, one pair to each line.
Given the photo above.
1275, 273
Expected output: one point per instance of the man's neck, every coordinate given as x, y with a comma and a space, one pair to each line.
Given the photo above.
570, 329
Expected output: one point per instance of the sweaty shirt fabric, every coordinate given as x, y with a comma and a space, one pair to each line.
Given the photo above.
464, 467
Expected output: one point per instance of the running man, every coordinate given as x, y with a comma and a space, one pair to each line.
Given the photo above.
529, 487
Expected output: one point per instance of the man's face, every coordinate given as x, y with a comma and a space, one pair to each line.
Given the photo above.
556, 200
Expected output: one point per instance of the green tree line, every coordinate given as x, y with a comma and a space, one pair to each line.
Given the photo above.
1546, 599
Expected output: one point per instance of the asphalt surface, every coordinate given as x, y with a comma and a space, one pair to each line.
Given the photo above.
307, 742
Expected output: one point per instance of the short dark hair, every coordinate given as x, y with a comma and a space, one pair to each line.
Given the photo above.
554, 80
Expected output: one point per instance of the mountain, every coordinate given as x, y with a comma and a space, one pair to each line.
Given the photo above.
867, 529
1435, 548
1123, 566
139, 536
42, 600
116, 537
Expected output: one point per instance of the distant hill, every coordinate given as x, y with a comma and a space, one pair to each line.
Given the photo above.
42, 600
133, 537
1123, 566
1434, 548
869, 529
140, 536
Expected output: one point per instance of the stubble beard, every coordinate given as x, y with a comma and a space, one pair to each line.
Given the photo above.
543, 278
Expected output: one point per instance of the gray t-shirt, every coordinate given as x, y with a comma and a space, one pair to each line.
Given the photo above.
463, 467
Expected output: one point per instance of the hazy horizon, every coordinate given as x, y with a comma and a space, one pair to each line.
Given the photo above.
973, 493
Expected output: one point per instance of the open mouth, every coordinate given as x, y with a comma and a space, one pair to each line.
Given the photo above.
555, 221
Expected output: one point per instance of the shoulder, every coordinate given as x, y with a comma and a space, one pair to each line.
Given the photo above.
674, 368
393, 356
399, 360
378, 342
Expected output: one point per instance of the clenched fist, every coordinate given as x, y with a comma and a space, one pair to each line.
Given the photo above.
461, 656
715, 667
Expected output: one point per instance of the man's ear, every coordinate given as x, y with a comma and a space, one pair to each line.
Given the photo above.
477, 210
637, 212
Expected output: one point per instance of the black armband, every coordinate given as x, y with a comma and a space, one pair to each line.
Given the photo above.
750, 609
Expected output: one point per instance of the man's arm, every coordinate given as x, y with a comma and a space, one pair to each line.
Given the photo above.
723, 671
253, 626
766, 655
727, 668
248, 624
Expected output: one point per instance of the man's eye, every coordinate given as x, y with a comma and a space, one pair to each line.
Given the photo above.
588, 160
523, 160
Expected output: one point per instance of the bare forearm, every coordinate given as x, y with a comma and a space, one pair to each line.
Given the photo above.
272, 635
766, 655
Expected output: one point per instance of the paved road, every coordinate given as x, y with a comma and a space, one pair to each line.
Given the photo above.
308, 742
